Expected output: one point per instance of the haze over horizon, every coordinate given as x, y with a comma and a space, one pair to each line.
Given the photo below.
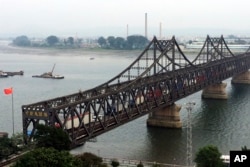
83, 18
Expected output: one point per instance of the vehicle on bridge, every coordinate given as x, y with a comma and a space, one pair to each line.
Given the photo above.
74, 122
152, 94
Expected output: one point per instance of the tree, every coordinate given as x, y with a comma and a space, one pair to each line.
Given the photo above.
52, 40
119, 43
6, 147
132, 42
111, 41
208, 156
22, 41
47, 136
70, 40
18, 142
47, 157
136, 42
115, 163
244, 148
102, 41
89, 159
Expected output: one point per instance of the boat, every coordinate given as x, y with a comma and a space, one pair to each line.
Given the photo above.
15, 73
3, 74
49, 75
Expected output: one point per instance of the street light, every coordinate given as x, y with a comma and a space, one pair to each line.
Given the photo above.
189, 106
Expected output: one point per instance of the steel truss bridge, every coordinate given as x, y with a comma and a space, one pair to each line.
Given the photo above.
161, 75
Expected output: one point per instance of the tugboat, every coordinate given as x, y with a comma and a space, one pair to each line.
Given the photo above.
49, 75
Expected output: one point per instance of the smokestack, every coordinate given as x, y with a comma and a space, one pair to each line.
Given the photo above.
127, 30
146, 26
160, 31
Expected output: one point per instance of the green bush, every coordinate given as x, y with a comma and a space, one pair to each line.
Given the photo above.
140, 164
89, 159
44, 157
208, 156
115, 163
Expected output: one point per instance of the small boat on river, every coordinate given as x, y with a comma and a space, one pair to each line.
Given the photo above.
49, 75
3, 74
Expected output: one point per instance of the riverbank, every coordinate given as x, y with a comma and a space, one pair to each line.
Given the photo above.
6, 47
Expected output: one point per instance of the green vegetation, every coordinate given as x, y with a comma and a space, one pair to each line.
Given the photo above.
51, 157
9, 146
244, 148
21, 41
51, 149
132, 42
140, 164
115, 163
6, 147
52, 40
208, 156
47, 157
47, 136
89, 159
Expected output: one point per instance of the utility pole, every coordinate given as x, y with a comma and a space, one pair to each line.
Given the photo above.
189, 106
146, 25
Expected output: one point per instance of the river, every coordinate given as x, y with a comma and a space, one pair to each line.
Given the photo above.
223, 123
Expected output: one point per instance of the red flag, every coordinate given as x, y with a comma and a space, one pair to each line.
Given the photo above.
8, 91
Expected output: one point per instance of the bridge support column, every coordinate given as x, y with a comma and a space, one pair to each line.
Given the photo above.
168, 117
216, 91
243, 78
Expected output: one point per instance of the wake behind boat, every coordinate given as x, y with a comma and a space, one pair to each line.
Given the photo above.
49, 75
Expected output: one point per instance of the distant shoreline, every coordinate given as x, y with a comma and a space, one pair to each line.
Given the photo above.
7, 47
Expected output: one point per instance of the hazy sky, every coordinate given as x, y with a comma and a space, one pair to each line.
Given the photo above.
86, 18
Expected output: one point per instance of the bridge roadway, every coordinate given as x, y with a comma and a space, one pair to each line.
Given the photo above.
161, 75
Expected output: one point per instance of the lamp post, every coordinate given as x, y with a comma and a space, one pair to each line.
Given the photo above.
189, 106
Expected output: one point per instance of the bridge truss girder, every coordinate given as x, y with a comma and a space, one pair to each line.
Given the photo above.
84, 115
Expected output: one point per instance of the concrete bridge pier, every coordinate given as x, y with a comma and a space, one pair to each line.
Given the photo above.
167, 117
243, 78
215, 91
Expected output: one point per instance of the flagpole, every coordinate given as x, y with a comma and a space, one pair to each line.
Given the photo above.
12, 113
8, 91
